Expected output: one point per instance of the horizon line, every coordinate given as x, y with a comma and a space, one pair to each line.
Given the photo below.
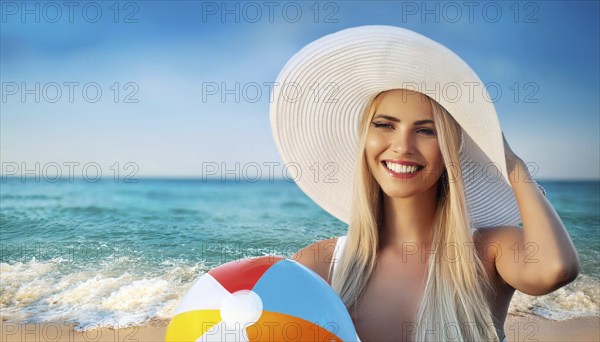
3, 179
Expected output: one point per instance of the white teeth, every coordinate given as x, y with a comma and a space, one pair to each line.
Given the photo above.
402, 168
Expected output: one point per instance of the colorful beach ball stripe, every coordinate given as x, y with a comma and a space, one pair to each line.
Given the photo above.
261, 299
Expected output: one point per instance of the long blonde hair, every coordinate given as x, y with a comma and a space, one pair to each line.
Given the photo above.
454, 305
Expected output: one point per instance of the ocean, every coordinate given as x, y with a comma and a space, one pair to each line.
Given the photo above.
112, 254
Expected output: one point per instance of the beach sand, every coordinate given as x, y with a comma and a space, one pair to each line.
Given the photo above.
517, 328
534, 328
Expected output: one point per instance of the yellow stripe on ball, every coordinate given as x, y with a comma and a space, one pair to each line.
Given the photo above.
190, 325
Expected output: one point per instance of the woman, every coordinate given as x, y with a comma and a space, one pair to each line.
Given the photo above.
425, 258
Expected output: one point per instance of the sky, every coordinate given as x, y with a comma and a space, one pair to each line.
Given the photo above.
180, 88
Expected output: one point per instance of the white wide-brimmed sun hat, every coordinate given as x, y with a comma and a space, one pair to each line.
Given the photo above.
322, 91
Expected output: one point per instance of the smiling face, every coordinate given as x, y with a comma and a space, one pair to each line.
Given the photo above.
401, 147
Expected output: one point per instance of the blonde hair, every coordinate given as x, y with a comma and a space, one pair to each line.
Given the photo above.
454, 300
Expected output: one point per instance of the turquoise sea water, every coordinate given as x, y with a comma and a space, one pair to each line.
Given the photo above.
113, 254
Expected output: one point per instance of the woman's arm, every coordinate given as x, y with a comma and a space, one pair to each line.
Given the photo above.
539, 258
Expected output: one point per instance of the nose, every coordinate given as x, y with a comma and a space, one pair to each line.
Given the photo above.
403, 142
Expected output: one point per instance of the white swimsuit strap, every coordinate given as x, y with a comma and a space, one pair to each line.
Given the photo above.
337, 253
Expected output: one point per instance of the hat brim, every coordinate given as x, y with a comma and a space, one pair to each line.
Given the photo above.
322, 91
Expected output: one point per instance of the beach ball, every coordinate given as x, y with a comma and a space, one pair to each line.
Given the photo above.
261, 299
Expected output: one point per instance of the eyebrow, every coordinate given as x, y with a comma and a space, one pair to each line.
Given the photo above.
395, 119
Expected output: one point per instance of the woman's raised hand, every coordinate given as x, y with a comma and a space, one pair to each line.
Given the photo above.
512, 159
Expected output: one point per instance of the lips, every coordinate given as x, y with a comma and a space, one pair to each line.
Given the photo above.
405, 171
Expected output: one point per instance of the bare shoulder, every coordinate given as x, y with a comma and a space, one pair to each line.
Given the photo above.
317, 256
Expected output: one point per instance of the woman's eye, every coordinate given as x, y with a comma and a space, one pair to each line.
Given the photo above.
426, 131
381, 125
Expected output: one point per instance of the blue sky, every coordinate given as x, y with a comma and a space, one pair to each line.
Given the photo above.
159, 54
